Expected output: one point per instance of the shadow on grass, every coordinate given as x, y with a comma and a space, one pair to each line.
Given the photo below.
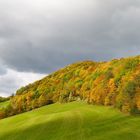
115, 127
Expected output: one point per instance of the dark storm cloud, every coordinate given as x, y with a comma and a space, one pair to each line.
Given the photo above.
44, 35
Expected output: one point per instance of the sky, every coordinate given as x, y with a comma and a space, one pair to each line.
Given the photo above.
38, 37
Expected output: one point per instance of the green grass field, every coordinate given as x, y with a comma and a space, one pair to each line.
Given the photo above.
72, 121
4, 104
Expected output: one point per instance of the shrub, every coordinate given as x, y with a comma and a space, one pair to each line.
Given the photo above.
130, 89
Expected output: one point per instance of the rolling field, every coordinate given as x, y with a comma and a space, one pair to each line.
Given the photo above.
71, 121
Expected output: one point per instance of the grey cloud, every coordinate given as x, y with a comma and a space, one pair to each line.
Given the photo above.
3, 69
42, 36
12, 80
8, 84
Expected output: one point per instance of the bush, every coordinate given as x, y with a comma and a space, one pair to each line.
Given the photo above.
2, 113
109, 75
130, 89
135, 111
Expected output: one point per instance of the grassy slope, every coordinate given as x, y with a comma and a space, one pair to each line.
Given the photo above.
4, 104
72, 121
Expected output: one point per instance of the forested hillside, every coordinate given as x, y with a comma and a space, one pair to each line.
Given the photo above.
115, 83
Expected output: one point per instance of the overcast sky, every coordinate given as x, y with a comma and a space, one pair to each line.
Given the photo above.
40, 36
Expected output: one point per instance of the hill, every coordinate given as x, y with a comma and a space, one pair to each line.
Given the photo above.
4, 104
71, 121
3, 99
114, 83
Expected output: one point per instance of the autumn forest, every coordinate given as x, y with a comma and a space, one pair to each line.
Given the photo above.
114, 83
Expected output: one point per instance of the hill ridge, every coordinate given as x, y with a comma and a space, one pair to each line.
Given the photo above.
115, 83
